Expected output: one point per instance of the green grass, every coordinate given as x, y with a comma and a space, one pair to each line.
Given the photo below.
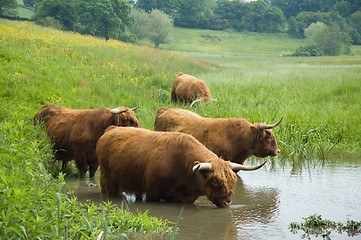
229, 44
318, 96
36, 206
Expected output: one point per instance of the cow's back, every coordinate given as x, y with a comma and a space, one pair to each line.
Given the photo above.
175, 120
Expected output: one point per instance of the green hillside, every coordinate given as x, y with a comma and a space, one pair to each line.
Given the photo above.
230, 43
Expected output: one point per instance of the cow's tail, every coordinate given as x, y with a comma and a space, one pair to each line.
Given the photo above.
202, 100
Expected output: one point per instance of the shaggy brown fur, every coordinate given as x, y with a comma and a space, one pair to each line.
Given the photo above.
76, 132
159, 164
232, 139
187, 88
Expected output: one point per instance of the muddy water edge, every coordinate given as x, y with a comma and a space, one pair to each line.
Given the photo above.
265, 202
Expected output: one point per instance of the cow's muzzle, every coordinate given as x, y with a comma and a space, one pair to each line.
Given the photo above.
223, 202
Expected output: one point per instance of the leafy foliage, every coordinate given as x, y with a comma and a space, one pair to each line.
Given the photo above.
308, 51
31, 3
105, 18
155, 26
315, 225
7, 7
61, 10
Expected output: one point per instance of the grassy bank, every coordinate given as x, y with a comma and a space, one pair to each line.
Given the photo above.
39, 66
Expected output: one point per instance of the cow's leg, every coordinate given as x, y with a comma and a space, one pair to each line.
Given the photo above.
112, 189
63, 165
93, 166
83, 174
81, 164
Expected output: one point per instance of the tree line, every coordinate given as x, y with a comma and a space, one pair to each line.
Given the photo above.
292, 16
153, 19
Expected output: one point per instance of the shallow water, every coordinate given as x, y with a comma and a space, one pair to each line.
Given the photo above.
265, 203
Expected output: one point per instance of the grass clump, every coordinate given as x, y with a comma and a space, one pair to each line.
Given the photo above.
314, 225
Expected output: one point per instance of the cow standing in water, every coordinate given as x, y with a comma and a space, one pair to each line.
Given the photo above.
166, 166
233, 139
75, 133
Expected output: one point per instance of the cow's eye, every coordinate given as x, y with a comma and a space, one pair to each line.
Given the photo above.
215, 182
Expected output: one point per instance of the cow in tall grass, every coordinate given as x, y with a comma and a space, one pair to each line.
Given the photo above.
233, 139
164, 166
187, 88
74, 133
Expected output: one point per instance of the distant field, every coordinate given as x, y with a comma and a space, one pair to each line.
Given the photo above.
196, 42
231, 48
23, 11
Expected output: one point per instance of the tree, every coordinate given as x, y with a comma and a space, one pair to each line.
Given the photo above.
147, 5
185, 13
328, 39
140, 26
60, 10
156, 26
160, 26
31, 3
355, 22
262, 18
294, 28
105, 18
8, 7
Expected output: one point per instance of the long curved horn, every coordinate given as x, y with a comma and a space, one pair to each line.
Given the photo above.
117, 111
202, 166
199, 100
132, 109
237, 167
265, 126
195, 101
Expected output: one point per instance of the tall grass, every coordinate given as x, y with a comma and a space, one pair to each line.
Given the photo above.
320, 104
255, 79
34, 205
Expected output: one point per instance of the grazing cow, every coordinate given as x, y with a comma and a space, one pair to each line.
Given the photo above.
75, 133
187, 88
164, 166
233, 139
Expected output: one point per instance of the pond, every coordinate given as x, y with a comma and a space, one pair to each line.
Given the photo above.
266, 201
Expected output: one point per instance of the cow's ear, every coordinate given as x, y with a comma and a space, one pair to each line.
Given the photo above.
257, 131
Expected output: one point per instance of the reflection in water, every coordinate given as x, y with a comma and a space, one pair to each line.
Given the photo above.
264, 204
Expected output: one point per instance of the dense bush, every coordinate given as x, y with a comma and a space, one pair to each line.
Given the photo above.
307, 51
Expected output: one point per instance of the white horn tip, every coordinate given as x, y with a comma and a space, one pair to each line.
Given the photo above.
115, 111
202, 166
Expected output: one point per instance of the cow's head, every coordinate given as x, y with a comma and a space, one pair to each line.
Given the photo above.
217, 181
265, 143
125, 117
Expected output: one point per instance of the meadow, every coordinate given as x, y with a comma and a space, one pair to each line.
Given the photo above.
250, 75
257, 79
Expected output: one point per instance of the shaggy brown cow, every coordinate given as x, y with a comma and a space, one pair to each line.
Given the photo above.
232, 139
187, 88
75, 133
164, 166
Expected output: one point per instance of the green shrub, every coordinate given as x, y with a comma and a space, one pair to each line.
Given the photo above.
307, 51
